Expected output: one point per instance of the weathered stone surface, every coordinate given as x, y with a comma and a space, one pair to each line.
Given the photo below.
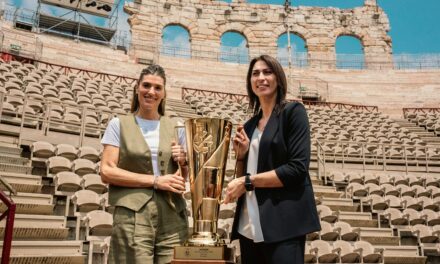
207, 21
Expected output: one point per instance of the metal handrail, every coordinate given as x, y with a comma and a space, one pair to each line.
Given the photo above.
10, 216
240, 98
422, 110
383, 157
321, 160
43, 122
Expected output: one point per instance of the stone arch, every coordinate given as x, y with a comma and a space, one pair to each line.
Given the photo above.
339, 32
296, 29
177, 45
346, 59
237, 54
189, 25
238, 28
241, 33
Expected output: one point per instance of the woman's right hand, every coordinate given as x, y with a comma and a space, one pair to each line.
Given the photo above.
171, 182
240, 143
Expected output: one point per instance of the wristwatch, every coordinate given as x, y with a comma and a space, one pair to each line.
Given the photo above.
247, 183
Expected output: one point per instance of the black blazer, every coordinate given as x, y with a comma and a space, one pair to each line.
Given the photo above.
289, 211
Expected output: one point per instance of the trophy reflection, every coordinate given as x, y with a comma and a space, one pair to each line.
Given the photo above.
207, 143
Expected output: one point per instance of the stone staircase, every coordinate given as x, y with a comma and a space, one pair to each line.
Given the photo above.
181, 109
428, 137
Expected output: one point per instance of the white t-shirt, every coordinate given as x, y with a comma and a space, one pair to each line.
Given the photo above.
150, 130
249, 224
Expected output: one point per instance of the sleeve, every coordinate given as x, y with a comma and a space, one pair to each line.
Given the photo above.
112, 133
297, 138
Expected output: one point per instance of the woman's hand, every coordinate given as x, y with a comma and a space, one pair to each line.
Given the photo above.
240, 143
178, 153
234, 190
171, 182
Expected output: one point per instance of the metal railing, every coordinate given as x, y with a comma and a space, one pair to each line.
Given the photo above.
43, 121
340, 106
421, 110
380, 155
240, 98
243, 55
309, 87
299, 59
17, 44
66, 70
243, 98
86, 73
9, 213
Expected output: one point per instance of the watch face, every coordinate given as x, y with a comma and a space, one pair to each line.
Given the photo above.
248, 184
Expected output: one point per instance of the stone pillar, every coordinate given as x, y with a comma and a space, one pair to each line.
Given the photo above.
321, 53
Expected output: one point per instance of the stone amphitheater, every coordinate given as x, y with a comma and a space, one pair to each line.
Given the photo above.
375, 131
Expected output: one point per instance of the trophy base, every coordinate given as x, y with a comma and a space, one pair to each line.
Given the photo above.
203, 254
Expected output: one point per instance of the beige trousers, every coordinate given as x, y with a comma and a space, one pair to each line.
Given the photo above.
149, 235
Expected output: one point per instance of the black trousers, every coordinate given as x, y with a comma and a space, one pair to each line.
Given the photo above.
289, 251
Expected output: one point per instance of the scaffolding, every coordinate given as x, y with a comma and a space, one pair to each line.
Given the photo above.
73, 22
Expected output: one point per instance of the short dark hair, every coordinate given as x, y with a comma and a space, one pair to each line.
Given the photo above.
153, 69
277, 69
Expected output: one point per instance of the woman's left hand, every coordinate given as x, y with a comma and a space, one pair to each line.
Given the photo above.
234, 190
178, 153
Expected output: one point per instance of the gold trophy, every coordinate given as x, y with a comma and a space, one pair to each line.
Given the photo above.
207, 141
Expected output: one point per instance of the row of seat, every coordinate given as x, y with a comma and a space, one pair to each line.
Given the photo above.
55, 87
43, 149
430, 121
379, 178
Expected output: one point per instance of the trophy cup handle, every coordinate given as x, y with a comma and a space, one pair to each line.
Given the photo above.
179, 134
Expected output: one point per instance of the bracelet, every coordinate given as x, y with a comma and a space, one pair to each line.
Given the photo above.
155, 181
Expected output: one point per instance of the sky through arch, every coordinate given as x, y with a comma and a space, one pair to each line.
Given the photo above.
176, 41
234, 47
298, 54
349, 52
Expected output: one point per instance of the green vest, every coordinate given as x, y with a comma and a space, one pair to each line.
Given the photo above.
135, 156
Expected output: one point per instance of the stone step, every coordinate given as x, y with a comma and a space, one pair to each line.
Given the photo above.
358, 219
7, 167
8, 140
404, 123
379, 236
188, 115
174, 101
338, 204
326, 191
47, 252
415, 129
10, 149
27, 183
361, 222
33, 227
431, 139
402, 254
424, 134
13, 159
183, 110
31, 203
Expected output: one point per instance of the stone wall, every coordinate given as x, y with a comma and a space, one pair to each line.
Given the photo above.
206, 21
390, 89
